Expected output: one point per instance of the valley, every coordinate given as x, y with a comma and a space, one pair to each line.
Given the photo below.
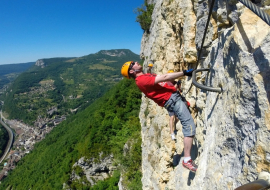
53, 91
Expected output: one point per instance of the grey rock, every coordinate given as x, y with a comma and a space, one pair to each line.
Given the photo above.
92, 170
232, 140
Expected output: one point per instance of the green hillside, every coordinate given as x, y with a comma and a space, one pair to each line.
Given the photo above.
105, 126
15, 68
64, 85
9, 72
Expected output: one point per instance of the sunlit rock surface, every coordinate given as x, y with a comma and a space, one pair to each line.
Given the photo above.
232, 141
92, 171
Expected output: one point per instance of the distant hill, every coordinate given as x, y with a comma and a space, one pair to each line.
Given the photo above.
15, 68
60, 86
9, 72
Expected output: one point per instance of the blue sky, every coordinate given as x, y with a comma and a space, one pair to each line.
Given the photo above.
36, 29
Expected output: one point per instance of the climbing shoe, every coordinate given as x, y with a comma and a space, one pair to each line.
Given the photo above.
190, 165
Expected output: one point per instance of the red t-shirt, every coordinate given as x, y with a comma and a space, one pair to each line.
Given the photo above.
159, 93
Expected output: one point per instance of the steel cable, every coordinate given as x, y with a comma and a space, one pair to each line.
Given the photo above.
205, 30
255, 9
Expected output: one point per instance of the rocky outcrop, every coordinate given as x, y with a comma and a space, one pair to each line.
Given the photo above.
117, 53
40, 63
233, 127
92, 170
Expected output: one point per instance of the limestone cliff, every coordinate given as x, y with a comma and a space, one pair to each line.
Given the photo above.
232, 141
40, 63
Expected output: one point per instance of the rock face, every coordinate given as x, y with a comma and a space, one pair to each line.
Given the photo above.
40, 63
93, 171
232, 139
117, 53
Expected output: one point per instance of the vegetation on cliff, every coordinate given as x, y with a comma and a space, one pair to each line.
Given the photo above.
144, 16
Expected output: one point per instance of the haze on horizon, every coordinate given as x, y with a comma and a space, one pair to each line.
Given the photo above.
32, 30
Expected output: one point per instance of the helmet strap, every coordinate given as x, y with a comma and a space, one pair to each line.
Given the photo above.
135, 72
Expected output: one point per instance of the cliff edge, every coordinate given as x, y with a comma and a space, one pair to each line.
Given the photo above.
232, 140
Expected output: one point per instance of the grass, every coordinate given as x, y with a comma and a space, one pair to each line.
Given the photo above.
105, 61
44, 82
49, 100
69, 81
100, 67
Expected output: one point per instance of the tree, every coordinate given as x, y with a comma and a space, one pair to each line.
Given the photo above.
144, 16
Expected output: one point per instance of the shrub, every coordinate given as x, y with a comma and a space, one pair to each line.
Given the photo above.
144, 16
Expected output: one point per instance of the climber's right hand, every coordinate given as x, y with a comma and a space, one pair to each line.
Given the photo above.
188, 72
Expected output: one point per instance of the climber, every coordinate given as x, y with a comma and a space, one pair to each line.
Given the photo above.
173, 120
157, 88
150, 66
172, 81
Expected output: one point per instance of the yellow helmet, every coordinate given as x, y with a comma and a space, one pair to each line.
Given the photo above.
170, 71
125, 69
150, 65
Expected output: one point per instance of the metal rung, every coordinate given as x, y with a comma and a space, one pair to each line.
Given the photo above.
255, 185
198, 85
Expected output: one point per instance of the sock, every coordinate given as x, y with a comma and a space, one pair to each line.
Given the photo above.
173, 136
186, 159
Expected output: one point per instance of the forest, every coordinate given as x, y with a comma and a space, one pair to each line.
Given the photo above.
9, 72
104, 126
69, 84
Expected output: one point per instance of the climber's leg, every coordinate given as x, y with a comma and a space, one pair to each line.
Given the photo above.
187, 146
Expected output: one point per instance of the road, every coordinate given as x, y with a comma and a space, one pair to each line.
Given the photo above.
10, 141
